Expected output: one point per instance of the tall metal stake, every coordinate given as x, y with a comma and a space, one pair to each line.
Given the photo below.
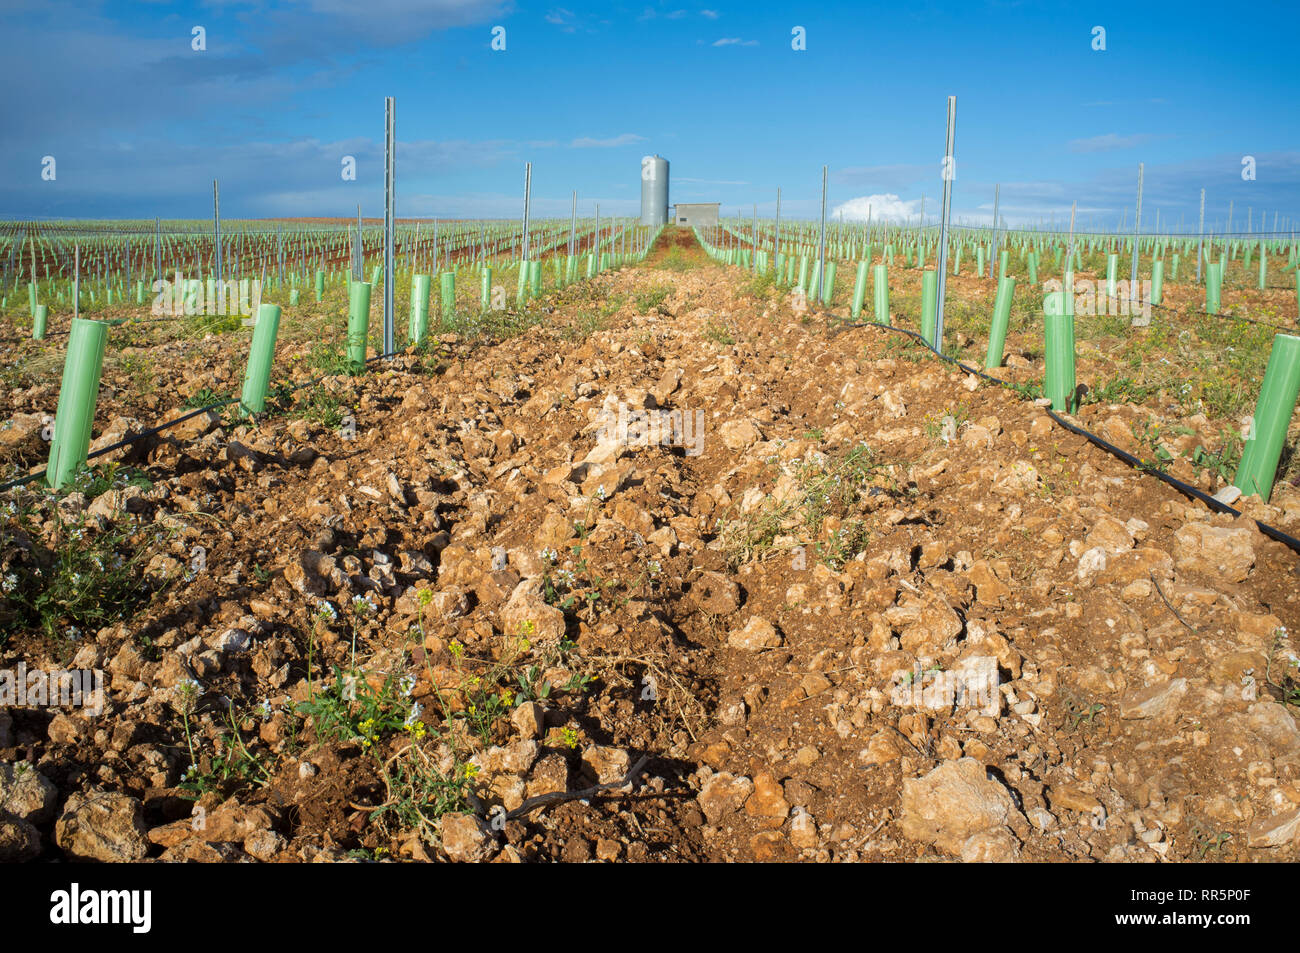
821, 253
390, 185
573, 224
1069, 249
358, 251
776, 238
1200, 242
216, 228
997, 192
528, 190
1137, 228
948, 175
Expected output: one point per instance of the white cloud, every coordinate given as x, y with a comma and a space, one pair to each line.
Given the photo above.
888, 207
586, 142
566, 20
709, 14
1108, 142
734, 41
682, 179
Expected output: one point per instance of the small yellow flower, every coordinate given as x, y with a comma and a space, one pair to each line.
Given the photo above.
569, 737
471, 770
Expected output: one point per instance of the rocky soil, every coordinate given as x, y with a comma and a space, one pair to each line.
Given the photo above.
484, 624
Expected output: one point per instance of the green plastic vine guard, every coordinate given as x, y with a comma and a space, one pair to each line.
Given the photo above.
78, 395
261, 355
1058, 322
358, 324
418, 325
1213, 287
521, 294
929, 305
860, 289
447, 296
880, 289
1277, 400
828, 287
1001, 320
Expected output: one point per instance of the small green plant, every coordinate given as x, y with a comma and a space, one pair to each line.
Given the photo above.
719, 334
824, 486
72, 578
1119, 390
1149, 435
320, 406
843, 544
1081, 713
760, 286
1209, 841
1286, 686
1031, 390
351, 709
584, 325
1223, 461
328, 358
204, 397
485, 702
677, 260
945, 426
418, 794
231, 765
653, 298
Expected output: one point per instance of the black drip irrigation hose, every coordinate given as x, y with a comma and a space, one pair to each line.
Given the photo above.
1228, 317
1218, 505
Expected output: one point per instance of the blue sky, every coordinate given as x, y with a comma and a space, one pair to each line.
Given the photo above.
139, 123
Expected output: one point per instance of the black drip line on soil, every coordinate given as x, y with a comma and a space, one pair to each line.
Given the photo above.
1137, 463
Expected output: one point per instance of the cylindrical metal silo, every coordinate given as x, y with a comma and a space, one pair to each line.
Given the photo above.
654, 190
